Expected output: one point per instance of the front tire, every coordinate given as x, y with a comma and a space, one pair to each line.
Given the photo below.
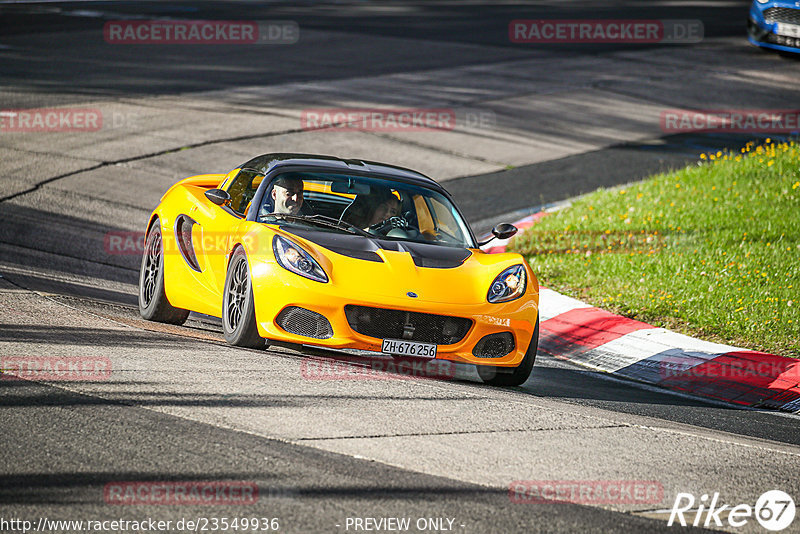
494, 376
238, 310
153, 303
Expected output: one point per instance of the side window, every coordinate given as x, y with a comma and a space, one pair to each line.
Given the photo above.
242, 189
444, 217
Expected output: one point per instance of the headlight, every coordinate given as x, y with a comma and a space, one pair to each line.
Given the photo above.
763, 1
293, 258
508, 285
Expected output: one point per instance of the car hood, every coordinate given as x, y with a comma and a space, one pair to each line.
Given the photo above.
390, 268
369, 248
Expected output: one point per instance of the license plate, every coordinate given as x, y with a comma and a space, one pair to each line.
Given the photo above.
788, 30
401, 347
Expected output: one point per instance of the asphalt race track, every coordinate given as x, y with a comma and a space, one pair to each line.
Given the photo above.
535, 124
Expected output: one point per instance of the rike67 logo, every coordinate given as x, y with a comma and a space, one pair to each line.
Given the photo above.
774, 510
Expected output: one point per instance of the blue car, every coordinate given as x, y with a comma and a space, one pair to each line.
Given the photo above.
775, 24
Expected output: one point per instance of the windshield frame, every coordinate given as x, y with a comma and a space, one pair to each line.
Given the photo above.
273, 173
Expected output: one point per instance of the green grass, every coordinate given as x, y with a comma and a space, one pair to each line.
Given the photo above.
712, 250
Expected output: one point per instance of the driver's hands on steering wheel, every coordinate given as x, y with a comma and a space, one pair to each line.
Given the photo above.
390, 223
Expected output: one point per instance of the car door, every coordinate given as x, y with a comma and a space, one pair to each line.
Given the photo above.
204, 238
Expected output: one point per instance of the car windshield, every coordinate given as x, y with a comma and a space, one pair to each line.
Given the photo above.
367, 206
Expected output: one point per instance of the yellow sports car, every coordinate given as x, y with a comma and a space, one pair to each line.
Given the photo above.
346, 254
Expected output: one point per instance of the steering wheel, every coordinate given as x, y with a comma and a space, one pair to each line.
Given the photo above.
389, 224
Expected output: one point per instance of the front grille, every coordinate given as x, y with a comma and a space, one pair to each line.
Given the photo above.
782, 14
413, 326
494, 345
303, 322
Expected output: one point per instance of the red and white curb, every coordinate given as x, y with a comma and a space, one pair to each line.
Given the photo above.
575, 331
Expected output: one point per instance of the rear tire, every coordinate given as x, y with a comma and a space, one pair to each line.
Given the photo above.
153, 303
494, 376
238, 310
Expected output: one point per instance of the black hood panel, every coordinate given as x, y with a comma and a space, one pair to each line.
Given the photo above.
364, 248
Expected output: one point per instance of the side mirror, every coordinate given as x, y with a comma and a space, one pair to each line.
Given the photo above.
219, 196
501, 231
504, 230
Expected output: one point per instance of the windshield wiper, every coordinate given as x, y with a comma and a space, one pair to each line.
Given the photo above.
323, 220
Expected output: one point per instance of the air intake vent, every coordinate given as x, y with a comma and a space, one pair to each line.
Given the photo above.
183, 235
303, 322
494, 345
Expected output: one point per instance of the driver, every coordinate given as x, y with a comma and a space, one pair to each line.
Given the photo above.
388, 208
287, 195
369, 209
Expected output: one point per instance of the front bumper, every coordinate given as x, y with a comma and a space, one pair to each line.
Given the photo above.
765, 34
275, 290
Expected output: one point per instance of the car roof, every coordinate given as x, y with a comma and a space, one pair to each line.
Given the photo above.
265, 163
